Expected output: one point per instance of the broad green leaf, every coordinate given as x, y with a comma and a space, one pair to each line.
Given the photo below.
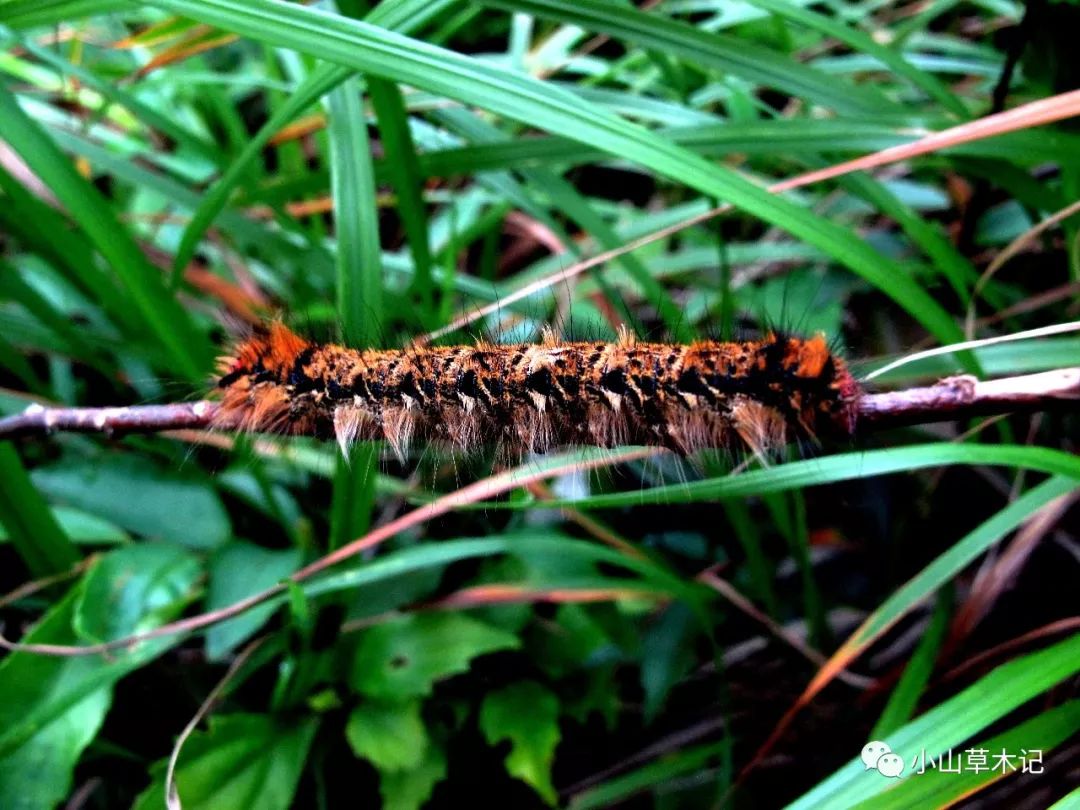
406, 656
38, 774
53, 706
408, 790
526, 714
142, 497
238, 570
574, 636
389, 735
81, 528
242, 760
667, 654
134, 588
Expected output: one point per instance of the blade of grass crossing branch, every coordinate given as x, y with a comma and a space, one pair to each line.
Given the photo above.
356, 217
827, 470
159, 313
359, 287
403, 169
376, 51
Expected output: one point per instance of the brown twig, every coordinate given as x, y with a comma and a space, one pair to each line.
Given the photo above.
966, 396
951, 398
38, 420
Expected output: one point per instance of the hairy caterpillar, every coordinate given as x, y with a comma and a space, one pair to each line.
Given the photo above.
754, 395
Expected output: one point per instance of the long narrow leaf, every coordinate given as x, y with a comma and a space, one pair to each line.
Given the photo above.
383, 53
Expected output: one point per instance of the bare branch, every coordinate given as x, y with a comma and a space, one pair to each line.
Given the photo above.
37, 420
952, 398
965, 397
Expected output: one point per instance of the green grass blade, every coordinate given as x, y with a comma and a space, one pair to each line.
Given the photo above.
36, 13
842, 467
959, 555
937, 788
404, 15
952, 722
378, 52
323, 79
160, 315
776, 138
723, 53
359, 287
912, 684
403, 169
111, 93
864, 43
34, 532
356, 217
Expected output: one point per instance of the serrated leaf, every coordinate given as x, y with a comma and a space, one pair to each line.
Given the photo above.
527, 714
405, 657
391, 736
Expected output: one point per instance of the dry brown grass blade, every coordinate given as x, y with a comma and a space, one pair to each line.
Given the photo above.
996, 578
196, 42
298, 129
510, 593
856, 644
1012, 249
